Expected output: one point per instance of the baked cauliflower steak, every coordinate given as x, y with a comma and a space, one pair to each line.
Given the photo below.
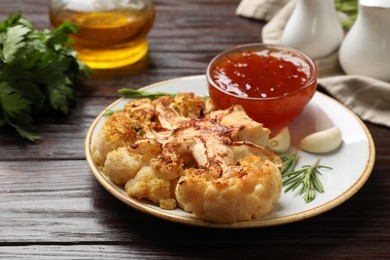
182, 152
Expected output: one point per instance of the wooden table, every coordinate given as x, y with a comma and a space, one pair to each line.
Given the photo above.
52, 206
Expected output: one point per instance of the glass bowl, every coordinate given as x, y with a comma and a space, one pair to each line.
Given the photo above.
273, 83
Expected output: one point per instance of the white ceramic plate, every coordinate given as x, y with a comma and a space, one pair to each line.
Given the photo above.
352, 162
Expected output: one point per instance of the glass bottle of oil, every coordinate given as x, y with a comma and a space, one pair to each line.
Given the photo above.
112, 33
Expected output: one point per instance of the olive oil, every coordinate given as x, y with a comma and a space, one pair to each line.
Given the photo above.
108, 39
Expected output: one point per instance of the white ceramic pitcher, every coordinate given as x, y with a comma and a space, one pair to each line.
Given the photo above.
366, 48
314, 28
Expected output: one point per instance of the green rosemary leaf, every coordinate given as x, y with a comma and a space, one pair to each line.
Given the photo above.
318, 185
141, 133
306, 178
295, 184
134, 93
109, 112
289, 162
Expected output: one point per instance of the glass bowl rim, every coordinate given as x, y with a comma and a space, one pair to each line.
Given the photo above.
249, 46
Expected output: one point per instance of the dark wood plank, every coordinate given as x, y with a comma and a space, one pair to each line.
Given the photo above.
40, 206
62, 136
187, 251
51, 206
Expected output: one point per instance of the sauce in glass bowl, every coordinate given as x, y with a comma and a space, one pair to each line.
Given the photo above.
273, 83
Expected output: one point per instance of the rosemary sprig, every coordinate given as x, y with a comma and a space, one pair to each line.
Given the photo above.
306, 177
109, 112
134, 93
289, 162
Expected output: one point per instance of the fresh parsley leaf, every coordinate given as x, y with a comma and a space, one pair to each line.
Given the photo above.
60, 94
59, 36
16, 111
12, 20
29, 135
38, 71
14, 41
12, 102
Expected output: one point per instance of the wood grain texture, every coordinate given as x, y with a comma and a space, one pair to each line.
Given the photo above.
51, 206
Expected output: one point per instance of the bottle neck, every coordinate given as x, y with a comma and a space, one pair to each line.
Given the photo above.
321, 9
376, 17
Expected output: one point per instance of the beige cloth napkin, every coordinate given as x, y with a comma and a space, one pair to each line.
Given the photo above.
260, 9
367, 97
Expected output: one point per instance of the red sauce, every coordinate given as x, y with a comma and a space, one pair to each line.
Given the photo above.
260, 73
275, 76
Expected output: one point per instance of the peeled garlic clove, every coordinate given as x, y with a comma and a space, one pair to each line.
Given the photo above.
281, 142
323, 141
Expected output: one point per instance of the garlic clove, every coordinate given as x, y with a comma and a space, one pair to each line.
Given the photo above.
322, 141
281, 142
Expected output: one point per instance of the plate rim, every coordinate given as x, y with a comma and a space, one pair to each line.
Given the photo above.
255, 223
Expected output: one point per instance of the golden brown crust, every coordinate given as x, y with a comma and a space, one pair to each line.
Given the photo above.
249, 193
180, 151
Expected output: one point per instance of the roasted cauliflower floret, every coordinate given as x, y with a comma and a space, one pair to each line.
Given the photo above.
189, 105
248, 129
248, 193
179, 151
124, 163
123, 128
116, 132
168, 165
121, 165
244, 149
146, 185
